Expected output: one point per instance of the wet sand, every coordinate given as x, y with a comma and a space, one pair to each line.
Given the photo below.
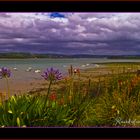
21, 87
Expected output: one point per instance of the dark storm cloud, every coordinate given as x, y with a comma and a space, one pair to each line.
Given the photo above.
92, 33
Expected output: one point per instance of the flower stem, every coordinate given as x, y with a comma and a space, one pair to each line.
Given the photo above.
49, 88
8, 87
47, 95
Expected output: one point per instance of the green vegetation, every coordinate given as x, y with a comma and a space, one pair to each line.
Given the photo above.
111, 99
15, 55
22, 55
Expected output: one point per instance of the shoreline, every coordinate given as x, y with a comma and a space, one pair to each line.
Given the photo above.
33, 84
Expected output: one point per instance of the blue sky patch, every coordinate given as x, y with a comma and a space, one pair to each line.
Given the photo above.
56, 15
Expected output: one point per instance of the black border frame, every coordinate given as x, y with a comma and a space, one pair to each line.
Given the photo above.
69, 6
69, 133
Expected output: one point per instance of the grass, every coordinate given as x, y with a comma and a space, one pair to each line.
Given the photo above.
105, 96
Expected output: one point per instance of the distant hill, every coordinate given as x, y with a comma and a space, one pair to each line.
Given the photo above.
29, 55
22, 55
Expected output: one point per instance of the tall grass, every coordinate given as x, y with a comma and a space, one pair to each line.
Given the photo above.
109, 101
50, 109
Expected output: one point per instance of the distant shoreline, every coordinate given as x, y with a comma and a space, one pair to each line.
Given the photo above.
22, 55
74, 58
106, 63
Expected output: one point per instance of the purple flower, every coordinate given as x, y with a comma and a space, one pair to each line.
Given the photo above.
5, 72
52, 75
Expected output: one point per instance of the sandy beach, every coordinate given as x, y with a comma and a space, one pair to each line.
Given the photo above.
21, 87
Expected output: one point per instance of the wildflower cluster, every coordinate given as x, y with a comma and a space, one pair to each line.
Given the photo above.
52, 75
5, 73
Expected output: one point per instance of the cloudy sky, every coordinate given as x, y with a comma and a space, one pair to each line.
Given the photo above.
71, 33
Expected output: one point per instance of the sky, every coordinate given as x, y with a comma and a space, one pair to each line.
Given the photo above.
71, 33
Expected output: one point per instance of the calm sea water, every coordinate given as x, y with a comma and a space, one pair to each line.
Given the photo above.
58, 63
62, 64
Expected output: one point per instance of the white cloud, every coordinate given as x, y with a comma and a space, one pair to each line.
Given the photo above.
90, 30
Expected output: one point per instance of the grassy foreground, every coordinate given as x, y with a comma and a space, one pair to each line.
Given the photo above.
106, 96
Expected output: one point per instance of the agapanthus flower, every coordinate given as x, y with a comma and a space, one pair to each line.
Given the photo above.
52, 75
5, 72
